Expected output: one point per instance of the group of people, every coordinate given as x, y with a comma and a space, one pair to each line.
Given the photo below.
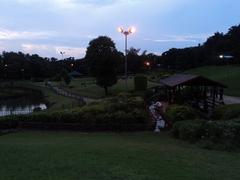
156, 110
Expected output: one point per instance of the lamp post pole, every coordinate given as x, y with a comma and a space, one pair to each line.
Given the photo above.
5, 69
62, 53
126, 64
126, 33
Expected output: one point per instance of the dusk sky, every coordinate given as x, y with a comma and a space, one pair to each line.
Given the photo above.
47, 27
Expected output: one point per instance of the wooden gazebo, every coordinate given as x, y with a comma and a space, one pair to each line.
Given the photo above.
199, 91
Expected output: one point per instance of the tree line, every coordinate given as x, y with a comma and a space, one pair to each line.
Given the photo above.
219, 49
17, 65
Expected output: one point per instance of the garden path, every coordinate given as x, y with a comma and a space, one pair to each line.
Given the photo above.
69, 94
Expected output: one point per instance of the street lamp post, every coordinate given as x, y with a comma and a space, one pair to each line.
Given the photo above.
5, 69
126, 33
62, 53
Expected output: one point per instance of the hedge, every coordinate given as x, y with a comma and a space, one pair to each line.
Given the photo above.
122, 116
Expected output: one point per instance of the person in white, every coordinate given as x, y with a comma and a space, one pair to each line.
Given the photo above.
154, 110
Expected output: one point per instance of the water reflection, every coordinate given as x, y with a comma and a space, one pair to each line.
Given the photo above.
22, 105
6, 110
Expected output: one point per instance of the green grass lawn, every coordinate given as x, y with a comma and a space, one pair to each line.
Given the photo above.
73, 155
88, 88
228, 75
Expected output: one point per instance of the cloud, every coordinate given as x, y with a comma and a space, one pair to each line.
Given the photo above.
63, 4
71, 51
157, 53
180, 38
52, 50
2, 48
33, 47
6, 34
89, 5
41, 49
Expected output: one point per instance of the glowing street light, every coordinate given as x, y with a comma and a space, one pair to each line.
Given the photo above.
131, 30
221, 56
147, 63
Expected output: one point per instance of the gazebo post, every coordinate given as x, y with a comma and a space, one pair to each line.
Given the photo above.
205, 99
214, 96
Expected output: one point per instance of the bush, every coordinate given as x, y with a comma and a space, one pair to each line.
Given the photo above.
227, 112
140, 83
37, 79
180, 113
210, 134
223, 130
188, 130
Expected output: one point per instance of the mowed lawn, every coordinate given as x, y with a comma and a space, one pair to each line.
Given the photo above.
228, 75
105, 156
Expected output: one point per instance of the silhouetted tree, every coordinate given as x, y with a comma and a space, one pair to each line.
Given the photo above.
65, 77
102, 58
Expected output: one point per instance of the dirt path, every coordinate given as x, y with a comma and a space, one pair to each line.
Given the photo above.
66, 93
231, 100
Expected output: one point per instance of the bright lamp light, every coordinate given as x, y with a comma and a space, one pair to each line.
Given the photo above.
120, 29
132, 30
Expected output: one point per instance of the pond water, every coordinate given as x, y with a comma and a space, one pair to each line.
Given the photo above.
6, 110
22, 105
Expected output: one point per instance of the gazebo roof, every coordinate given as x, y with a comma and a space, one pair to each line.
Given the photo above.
189, 79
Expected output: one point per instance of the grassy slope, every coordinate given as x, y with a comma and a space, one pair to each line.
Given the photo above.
228, 75
57, 102
59, 155
91, 90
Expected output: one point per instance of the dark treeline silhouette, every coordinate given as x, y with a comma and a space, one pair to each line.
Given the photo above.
24, 66
218, 49
17, 65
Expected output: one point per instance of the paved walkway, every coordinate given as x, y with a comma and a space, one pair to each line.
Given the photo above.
231, 100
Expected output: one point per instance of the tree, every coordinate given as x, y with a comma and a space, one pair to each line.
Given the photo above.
134, 60
65, 76
102, 57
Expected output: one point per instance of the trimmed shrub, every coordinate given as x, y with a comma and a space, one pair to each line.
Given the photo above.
180, 113
140, 83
